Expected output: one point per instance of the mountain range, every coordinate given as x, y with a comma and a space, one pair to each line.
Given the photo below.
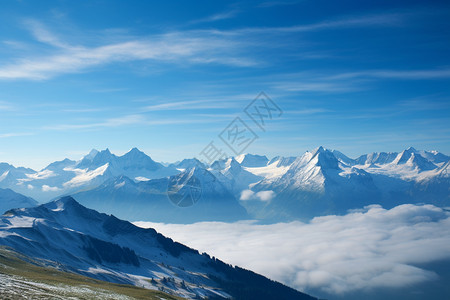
319, 182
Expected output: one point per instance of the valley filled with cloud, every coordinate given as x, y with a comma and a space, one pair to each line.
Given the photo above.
365, 251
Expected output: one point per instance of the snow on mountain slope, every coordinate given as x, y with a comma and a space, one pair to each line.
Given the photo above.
434, 156
68, 176
236, 177
187, 163
10, 199
9, 175
323, 182
272, 171
376, 158
307, 171
344, 159
132, 164
84, 176
282, 161
386, 178
149, 200
73, 238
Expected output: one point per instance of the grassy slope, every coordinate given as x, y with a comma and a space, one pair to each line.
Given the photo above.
22, 278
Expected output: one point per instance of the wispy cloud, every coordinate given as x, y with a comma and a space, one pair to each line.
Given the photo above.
217, 17
130, 120
189, 105
317, 86
112, 122
383, 20
342, 82
413, 74
43, 35
6, 106
192, 47
226, 47
13, 134
308, 111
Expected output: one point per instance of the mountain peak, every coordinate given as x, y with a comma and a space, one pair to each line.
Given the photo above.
62, 204
134, 150
135, 158
403, 157
135, 153
420, 162
411, 149
319, 149
188, 163
66, 200
325, 158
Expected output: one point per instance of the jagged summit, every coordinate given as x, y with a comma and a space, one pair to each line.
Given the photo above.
66, 200
135, 153
60, 164
97, 159
417, 161
188, 163
317, 150
232, 165
66, 203
324, 158
403, 156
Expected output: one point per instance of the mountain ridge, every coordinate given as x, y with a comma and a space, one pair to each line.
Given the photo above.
133, 184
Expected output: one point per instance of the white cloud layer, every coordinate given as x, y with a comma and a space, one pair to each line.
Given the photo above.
261, 196
363, 250
47, 188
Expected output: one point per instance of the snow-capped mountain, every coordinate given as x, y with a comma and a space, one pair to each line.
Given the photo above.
235, 176
9, 175
70, 237
187, 163
323, 182
167, 199
314, 184
10, 199
68, 176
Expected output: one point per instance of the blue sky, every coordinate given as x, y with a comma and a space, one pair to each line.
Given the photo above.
168, 77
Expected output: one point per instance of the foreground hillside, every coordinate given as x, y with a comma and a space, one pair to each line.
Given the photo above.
70, 237
24, 278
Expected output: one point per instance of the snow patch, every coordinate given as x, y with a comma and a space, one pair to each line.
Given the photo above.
3, 176
119, 185
83, 175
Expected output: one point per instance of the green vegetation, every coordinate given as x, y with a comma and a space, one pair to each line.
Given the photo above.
24, 278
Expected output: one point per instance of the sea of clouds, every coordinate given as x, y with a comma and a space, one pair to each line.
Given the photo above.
371, 248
